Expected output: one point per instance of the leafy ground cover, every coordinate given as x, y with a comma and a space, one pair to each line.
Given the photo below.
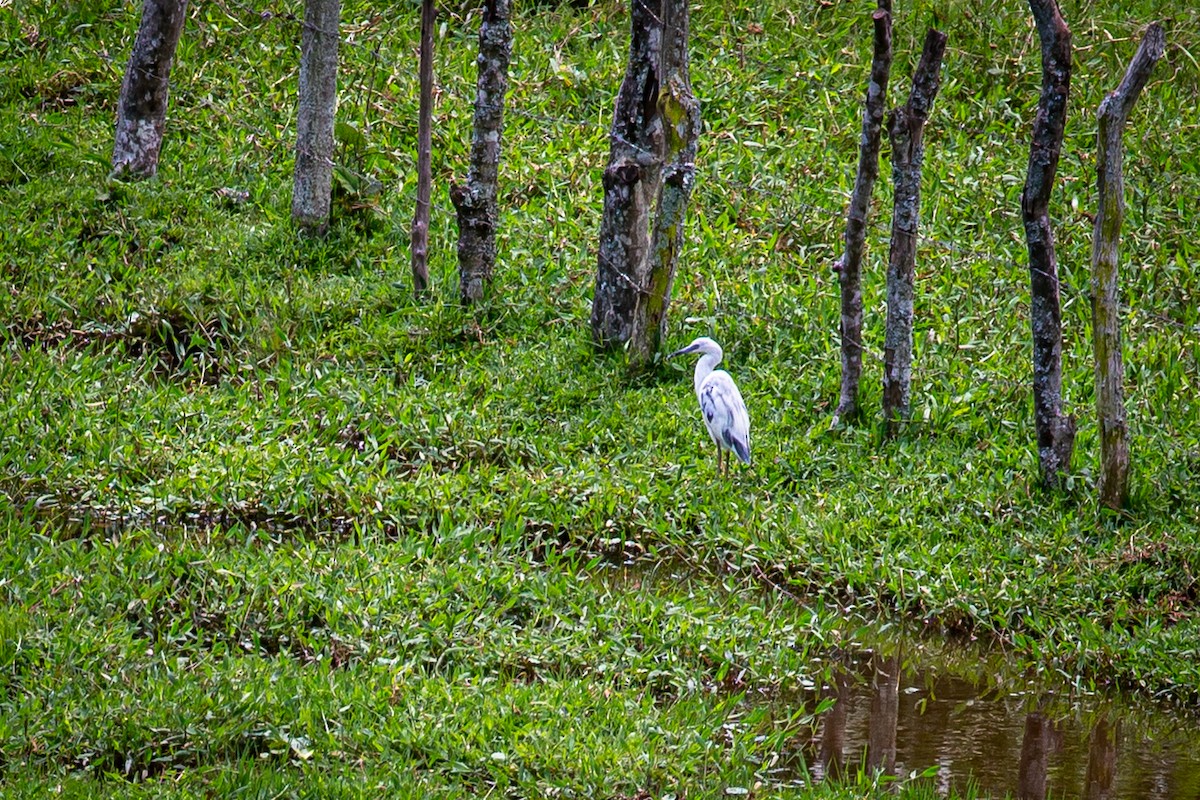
274, 524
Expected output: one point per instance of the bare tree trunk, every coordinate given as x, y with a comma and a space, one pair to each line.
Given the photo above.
420, 223
476, 202
1055, 430
631, 181
906, 127
1099, 781
850, 265
314, 122
142, 108
1106, 318
679, 112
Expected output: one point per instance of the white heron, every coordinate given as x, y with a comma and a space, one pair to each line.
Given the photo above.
721, 403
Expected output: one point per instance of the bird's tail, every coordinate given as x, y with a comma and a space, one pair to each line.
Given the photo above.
742, 450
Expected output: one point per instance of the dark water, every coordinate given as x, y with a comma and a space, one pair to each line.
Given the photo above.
964, 717
1029, 742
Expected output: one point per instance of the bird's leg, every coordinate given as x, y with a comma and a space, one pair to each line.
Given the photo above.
720, 461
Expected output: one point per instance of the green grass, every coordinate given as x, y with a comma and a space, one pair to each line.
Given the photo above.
275, 525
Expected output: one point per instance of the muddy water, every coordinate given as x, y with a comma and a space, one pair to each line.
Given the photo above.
963, 717
894, 714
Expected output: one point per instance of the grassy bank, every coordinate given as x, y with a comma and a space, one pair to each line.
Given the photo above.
327, 532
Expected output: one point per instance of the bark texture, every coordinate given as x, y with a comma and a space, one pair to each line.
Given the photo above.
631, 182
1106, 320
1055, 429
679, 113
850, 265
906, 127
142, 107
475, 202
420, 224
313, 176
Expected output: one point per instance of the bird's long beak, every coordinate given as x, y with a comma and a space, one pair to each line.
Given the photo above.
682, 351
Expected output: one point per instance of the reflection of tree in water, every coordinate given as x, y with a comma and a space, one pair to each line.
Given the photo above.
885, 713
830, 759
1102, 761
1040, 740
1004, 737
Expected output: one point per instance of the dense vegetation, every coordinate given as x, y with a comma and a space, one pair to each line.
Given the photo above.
274, 524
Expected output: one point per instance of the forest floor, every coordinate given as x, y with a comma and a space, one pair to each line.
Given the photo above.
277, 528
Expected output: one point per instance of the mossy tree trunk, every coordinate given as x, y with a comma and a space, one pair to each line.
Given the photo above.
631, 182
1106, 319
906, 128
679, 112
420, 224
142, 107
312, 182
1055, 429
849, 267
476, 201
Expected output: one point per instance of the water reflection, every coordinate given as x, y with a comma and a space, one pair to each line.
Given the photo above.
1040, 739
885, 712
905, 704
1102, 761
900, 719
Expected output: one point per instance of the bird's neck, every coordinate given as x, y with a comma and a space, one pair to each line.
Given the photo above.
704, 367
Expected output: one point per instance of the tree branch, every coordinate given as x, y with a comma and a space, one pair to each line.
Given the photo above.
1106, 322
850, 265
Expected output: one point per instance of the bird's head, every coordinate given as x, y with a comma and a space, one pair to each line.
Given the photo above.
703, 345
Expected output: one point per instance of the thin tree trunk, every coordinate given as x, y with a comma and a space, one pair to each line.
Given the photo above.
679, 112
476, 202
313, 177
1055, 430
1106, 320
631, 181
850, 265
420, 224
906, 127
142, 108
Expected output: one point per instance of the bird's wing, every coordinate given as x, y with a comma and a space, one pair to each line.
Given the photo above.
725, 413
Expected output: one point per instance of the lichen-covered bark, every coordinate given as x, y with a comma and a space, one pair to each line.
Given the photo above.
1106, 322
475, 202
906, 127
631, 182
1055, 429
312, 181
679, 112
142, 107
419, 235
850, 265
